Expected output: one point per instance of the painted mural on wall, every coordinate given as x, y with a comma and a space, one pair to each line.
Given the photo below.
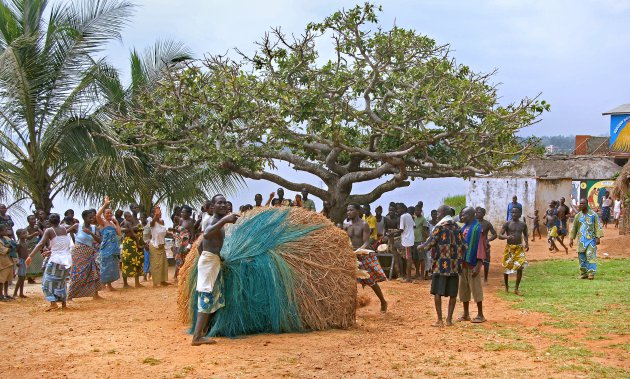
592, 190
620, 133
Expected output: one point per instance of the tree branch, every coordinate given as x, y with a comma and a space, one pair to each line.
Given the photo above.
379, 190
279, 180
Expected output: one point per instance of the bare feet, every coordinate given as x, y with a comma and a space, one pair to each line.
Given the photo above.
463, 318
97, 297
23, 296
110, 288
165, 284
517, 292
384, 307
52, 307
438, 324
138, 285
449, 323
126, 286
203, 341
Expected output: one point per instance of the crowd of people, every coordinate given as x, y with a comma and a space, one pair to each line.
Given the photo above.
452, 250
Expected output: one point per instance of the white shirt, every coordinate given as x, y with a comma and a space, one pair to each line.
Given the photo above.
158, 234
60, 250
617, 205
406, 224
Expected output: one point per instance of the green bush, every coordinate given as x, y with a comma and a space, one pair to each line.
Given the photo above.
456, 201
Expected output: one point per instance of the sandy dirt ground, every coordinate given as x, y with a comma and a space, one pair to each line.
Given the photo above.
136, 334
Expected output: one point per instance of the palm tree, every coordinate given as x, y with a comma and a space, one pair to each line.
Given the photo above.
135, 174
49, 92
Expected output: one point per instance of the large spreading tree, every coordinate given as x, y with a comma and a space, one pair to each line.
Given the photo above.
381, 104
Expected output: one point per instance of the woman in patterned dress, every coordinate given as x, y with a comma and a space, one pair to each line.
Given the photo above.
85, 274
34, 236
58, 262
132, 250
110, 245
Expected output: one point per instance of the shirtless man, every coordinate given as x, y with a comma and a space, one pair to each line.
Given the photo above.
552, 221
486, 230
392, 232
359, 233
515, 232
563, 217
210, 297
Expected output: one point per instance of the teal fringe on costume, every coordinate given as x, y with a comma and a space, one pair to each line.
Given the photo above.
258, 283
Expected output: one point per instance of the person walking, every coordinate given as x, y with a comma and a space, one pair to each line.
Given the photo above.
587, 228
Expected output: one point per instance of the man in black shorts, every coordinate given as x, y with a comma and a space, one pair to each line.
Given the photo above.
447, 246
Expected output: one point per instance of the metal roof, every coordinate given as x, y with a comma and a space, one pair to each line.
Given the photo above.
622, 109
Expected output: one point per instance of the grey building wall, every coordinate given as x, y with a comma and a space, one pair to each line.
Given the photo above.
494, 194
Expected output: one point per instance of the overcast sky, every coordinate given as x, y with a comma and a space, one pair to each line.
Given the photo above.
576, 53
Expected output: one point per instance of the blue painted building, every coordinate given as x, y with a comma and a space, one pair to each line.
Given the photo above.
619, 130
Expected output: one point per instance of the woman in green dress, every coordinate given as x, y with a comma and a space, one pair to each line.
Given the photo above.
132, 254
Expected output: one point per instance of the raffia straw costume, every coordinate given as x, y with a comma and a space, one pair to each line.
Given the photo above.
281, 270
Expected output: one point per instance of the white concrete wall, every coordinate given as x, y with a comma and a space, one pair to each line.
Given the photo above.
494, 194
548, 190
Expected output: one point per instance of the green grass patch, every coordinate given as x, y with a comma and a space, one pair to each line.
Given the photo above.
562, 324
455, 201
499, 346
602, 306
560, 351
622, 346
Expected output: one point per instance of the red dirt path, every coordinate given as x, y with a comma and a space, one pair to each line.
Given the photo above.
136, 333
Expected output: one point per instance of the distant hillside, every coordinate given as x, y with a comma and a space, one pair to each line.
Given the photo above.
563, 144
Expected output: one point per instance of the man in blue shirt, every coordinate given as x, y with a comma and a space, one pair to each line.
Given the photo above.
512, 205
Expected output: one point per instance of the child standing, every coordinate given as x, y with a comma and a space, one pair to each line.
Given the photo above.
536, 225
22, 252
6, 262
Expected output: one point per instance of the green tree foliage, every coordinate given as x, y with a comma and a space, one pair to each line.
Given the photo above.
134, 175
455, 201
49, 88
390, 104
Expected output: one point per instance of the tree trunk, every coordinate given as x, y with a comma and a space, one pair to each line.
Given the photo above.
338, 201
146, 203
43, 198
337, 213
